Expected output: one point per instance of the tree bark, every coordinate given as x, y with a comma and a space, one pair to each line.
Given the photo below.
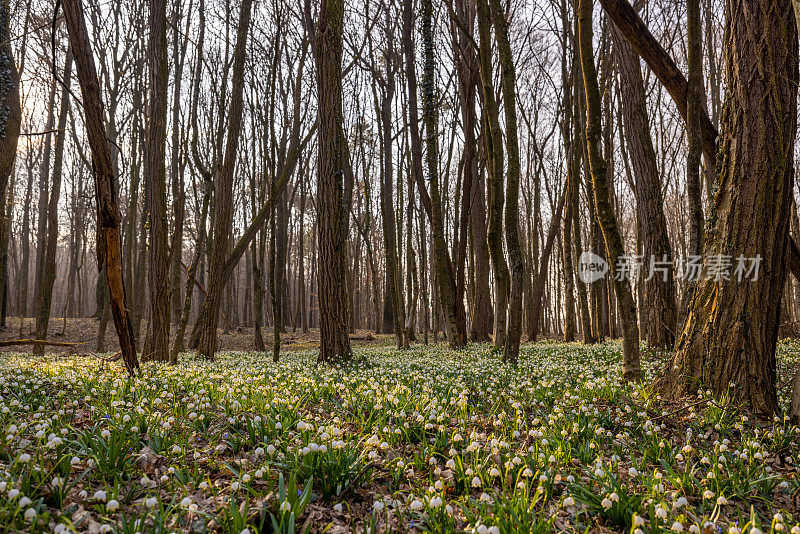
659, 315
508, 76
605, 211
48, 276
156, 177
223, 194
442, 264
729, 340
494, 164
109, 246
331, 209
9, 126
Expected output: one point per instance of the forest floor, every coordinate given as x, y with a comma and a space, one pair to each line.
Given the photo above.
423, 440
83, 332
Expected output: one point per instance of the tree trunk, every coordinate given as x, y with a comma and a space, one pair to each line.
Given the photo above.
508, 77
331, 210
223, 195
494, 164
445, 276
155, 175
729, 340
9, 129
109, 246
605, 211
659, 315
45, 292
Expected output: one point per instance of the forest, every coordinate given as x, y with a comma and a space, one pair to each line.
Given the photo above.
387, 266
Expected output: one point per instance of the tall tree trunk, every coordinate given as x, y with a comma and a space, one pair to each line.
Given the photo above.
494, 164
223, 195
331, 210
394, 280
469, 80
731, 331
445, 276
694, 107
659, 315
109, 247
508, 77
45, 292
155, 174
9, 130
605, 211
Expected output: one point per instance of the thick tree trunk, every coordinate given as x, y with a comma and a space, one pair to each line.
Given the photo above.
109, 246
155, 175
605, 211
729, 340
331, 210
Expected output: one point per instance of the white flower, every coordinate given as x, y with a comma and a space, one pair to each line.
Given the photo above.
24, 458
476, 482
286, 505
660, 512
416, 505
245, 478
186, 502
378, 506
112, 505
436, 502
614, 497
338, 507
569, 501
677, 526
721, 500
755, 530
176, 449
708, 494
606, 503
100, 495
150, 502
638, 520
796, 529
30, 513
694, 529
25, 501
680, 502
485, 497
